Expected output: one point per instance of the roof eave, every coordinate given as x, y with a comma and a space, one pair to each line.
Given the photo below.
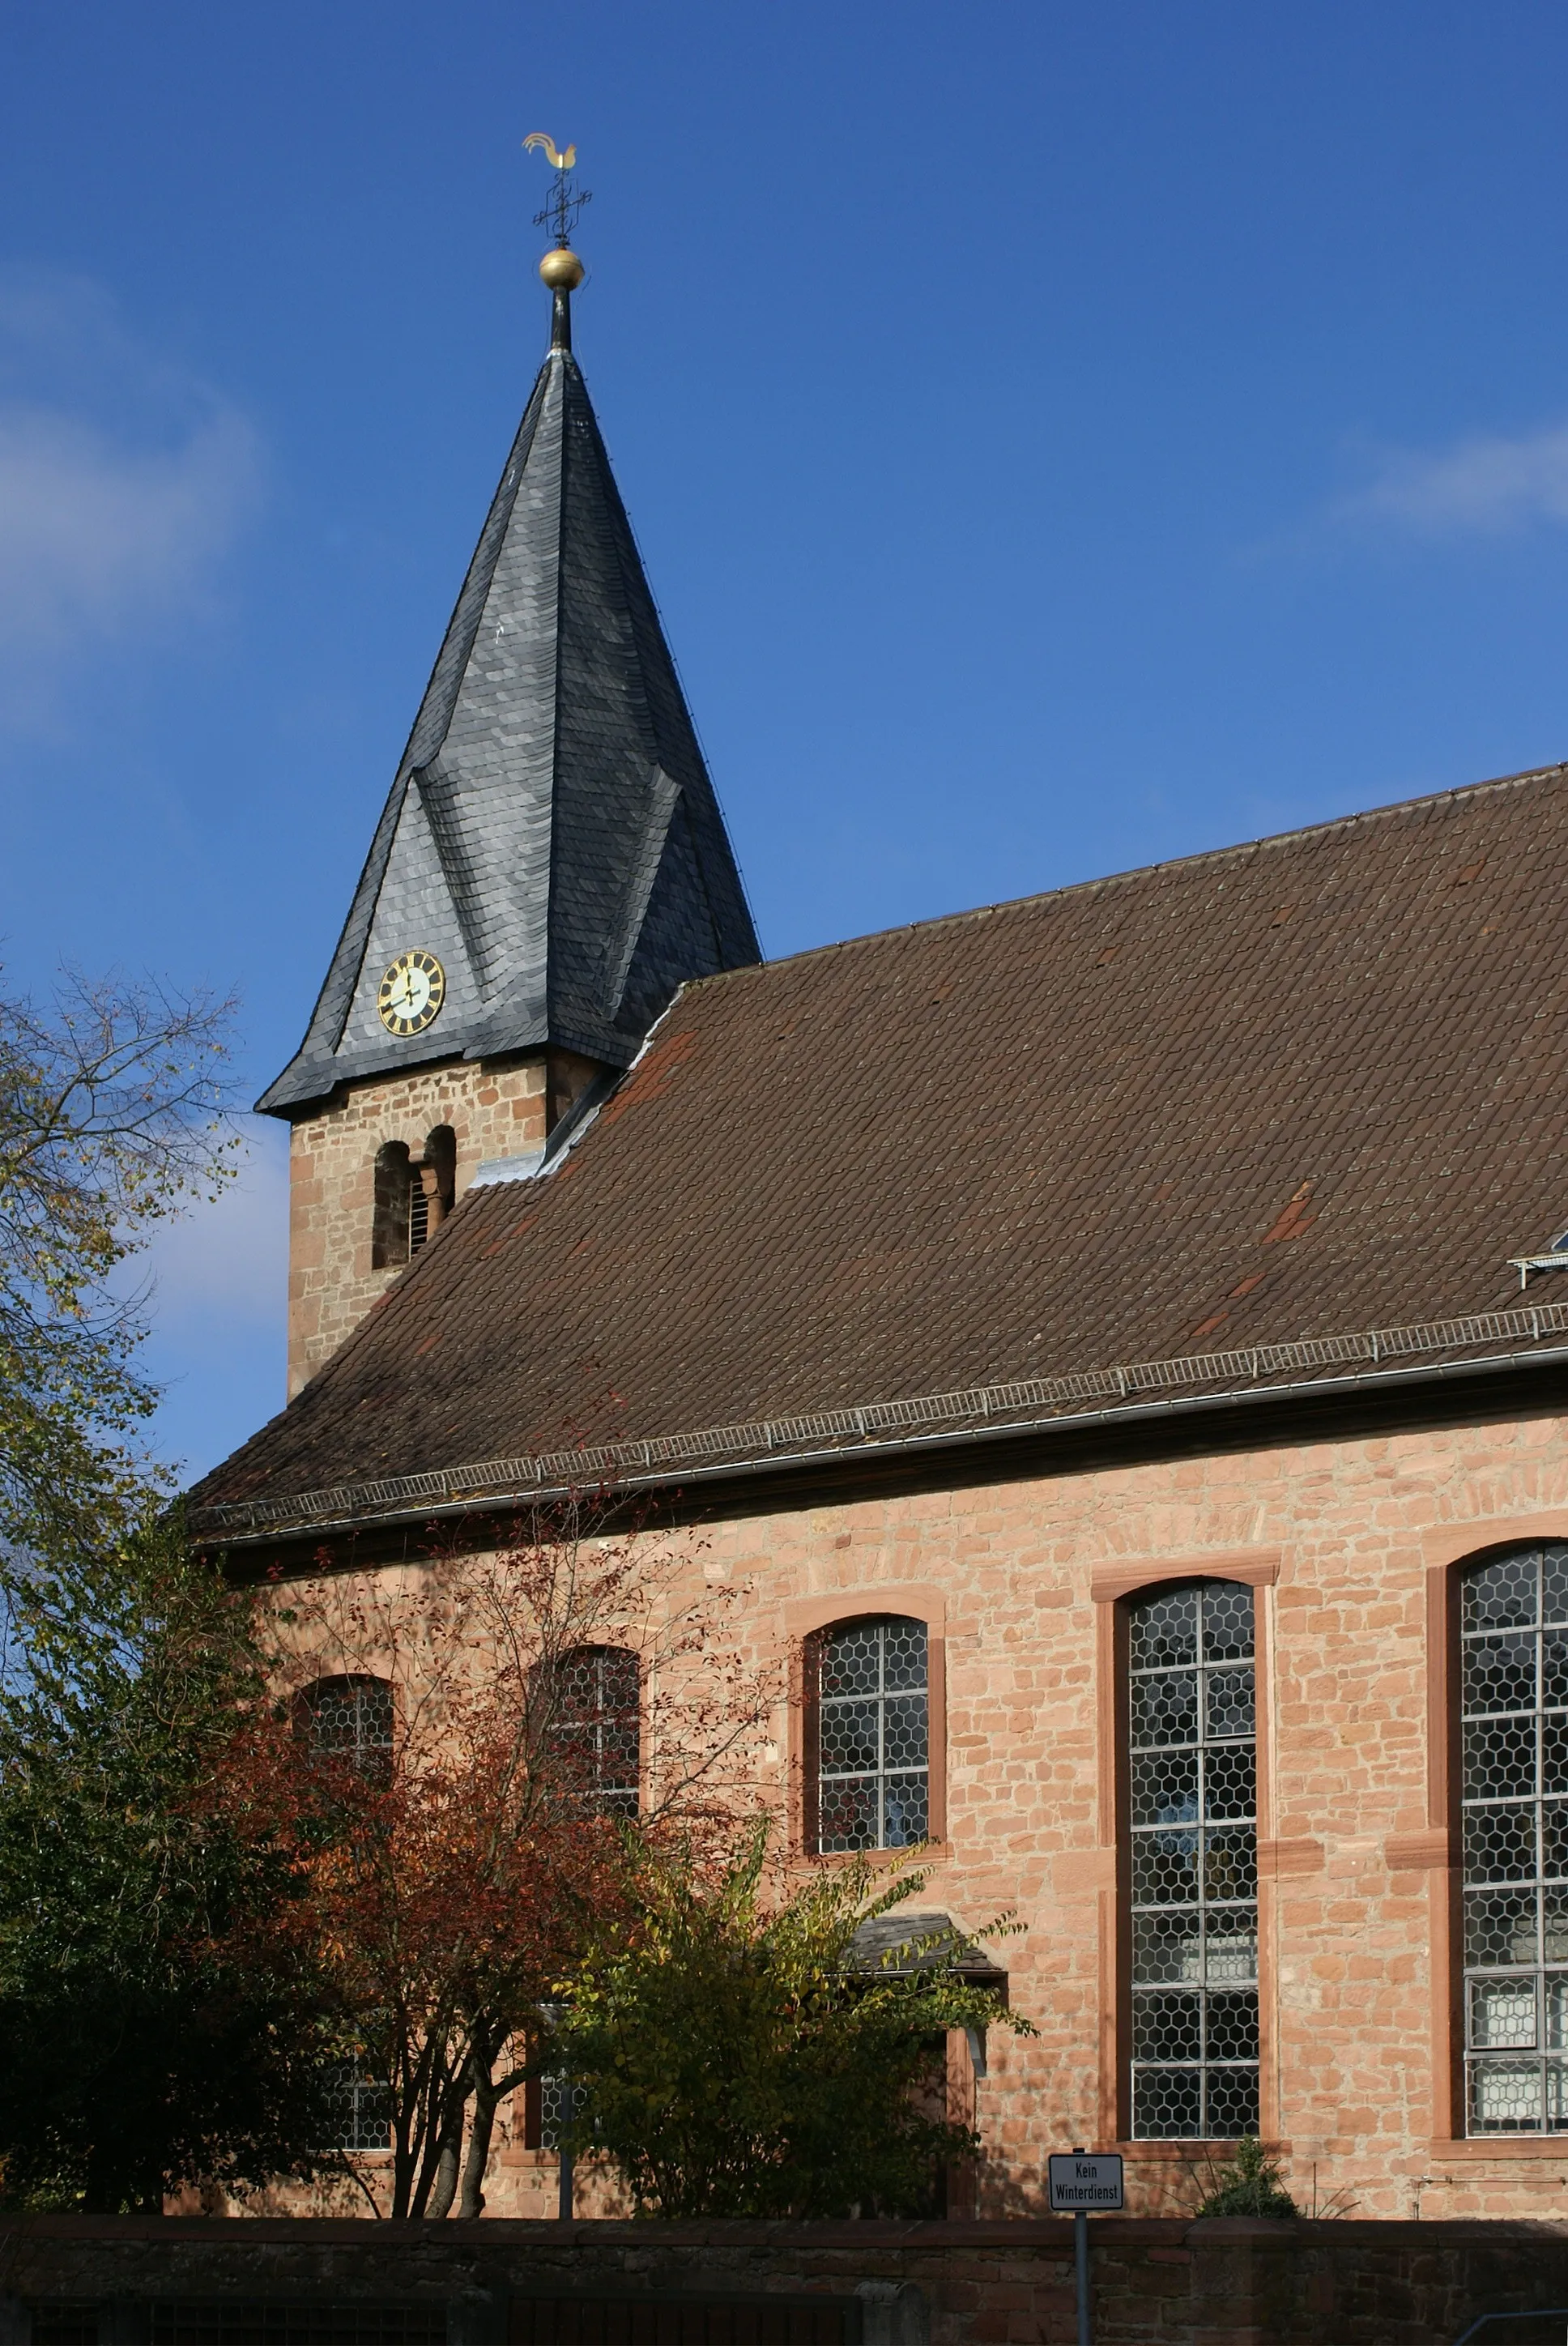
1192, 1406
307, 1084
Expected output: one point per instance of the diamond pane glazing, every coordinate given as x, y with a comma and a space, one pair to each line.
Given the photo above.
552, 2109
1167, 2104
1167, 2027
872, 1730
597, 1726
351, 1718
360, 2110
1192, 1770
1230, 2101
1514, 1679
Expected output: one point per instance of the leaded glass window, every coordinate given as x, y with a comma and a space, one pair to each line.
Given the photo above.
1192, 1776
1514, 1793
554, 2109
352, 1719
597, 1726
873, 1734
360, 2110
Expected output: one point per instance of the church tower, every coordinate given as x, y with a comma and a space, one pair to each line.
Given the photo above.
550, 866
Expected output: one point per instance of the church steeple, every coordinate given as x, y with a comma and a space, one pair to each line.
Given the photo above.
551, 838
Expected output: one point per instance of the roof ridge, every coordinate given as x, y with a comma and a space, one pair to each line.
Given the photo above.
1238, 848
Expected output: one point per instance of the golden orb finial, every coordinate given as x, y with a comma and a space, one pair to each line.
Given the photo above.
562, 270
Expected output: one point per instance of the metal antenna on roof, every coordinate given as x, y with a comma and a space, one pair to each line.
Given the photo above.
562, 270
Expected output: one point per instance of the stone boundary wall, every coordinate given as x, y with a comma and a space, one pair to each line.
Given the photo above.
1223, 2282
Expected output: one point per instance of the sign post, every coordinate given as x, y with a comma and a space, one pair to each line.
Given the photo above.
1080, 2180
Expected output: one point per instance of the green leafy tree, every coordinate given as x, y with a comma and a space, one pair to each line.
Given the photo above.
137, 2053
111, 1119
134, 2056
732, 2057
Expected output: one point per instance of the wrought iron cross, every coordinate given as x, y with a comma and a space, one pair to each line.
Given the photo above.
566, 197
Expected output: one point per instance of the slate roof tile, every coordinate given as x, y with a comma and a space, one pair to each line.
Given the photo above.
552, 834
991, 1148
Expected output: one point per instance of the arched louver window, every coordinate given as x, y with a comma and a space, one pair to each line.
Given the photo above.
1514, 1796
1192, 1807
389, 1225
351, 1718
431, 1183
597, 1725
412, 1197
871, 1700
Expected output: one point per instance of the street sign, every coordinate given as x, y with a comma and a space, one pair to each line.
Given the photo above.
1083, 2184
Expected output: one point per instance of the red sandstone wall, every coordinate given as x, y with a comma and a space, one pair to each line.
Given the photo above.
1348, 1545
494, 1110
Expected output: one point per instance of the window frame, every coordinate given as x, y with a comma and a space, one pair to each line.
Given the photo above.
608, 1800
878, 1618
1110, 1589
305, 1715
391, 1192
360, 2093
806, 1617
1435, 1852
1449, 1789
1193, 1583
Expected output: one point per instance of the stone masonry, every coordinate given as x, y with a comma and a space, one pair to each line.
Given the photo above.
130, 2282
1350, 1544
495, 1107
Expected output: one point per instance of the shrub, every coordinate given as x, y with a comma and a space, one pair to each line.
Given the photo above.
1248, 2185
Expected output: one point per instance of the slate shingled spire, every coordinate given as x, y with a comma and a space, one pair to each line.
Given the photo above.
551, 835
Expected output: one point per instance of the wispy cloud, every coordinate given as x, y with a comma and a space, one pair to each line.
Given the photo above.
124, 480
1487, 484
223, 1262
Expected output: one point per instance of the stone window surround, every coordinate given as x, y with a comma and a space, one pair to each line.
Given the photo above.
1451, 1550
803, 1619
1111, 1585
303, 1701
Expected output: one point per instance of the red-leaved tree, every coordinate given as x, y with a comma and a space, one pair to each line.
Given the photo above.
460, 1757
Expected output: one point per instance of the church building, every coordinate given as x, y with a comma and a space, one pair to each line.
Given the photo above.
1122, 1334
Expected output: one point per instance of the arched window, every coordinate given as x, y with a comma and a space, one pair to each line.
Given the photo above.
390, 1230
1513, 1792
597, 1724
1193, 1825
412, 1198
871, 1787
360, 2109
351, 1718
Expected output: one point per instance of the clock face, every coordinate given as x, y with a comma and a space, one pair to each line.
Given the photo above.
411, 994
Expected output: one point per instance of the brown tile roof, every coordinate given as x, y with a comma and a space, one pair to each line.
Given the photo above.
1311, 1086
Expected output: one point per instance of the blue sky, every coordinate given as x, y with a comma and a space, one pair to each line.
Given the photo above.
1060, 438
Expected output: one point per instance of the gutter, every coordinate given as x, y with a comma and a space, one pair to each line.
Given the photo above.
910, 1445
